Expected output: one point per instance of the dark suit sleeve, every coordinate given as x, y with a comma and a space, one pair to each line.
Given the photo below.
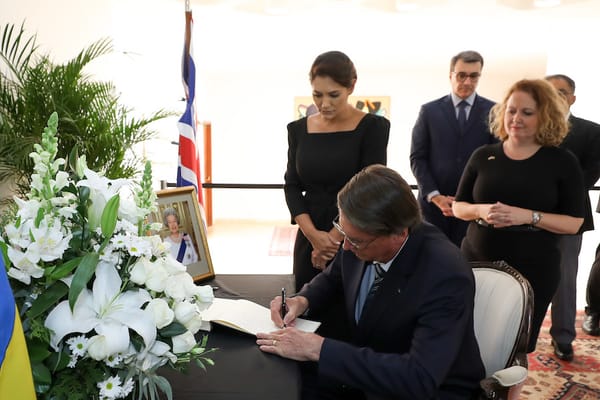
293, 186
419, 154
590, 158
442, 321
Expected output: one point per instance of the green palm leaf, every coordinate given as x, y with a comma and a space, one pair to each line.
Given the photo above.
91, 118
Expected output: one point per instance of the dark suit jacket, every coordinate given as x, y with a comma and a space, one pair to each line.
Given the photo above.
583, 140
439, 152
416, 339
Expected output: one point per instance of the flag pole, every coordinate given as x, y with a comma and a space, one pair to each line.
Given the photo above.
188, 169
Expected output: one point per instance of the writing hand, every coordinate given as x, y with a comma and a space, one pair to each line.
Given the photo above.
295, 306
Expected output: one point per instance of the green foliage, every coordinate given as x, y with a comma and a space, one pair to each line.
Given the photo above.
76, 383
91, 118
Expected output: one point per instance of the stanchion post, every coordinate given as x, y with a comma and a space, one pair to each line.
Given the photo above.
208, 171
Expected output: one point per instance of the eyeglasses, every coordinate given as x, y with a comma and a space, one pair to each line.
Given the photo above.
564, 92
462, 76
355, 243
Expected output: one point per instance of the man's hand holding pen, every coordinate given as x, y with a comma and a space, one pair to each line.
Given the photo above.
290, 342
294, 306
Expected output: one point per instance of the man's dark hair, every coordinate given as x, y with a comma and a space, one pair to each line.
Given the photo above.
565, 78
468, 56
378, 201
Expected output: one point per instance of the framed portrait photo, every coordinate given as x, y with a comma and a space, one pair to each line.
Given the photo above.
184, 229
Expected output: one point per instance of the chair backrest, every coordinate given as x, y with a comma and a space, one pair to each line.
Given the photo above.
502, 315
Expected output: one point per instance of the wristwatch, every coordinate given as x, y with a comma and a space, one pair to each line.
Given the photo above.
536, 217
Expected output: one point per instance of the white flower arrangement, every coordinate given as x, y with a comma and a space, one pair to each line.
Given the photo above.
104, 304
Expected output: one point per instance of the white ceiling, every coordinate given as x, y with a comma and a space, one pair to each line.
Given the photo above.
568, 8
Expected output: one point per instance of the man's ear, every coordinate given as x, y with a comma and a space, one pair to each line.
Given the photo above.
399, 238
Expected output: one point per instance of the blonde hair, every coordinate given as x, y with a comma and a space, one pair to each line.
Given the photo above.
552, 111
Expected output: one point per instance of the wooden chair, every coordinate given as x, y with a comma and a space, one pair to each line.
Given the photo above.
502, 319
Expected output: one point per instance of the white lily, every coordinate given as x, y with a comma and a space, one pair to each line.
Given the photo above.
155, 356
23, 268
106, 310
49, 242
28, 209
101, 190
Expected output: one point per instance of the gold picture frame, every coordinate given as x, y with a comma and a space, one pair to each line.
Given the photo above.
378, 105
184, 201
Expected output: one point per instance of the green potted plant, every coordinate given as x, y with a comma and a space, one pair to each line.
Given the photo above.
91, 119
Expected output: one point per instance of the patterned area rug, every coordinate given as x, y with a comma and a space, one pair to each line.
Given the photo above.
282, 241
553, 379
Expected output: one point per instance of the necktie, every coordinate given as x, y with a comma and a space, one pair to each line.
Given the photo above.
379, 272
462, 115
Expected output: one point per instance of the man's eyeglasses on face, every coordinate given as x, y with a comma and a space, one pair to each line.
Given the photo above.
355, 243
564, 92
462, 76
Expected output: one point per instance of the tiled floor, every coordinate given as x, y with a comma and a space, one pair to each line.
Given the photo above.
242, 247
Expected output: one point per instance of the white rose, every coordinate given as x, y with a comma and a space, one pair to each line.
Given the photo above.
183, 343
157, 277
195, 324
185, 311
138, 273
204, 293
175, 286
161, 313
97, 347
173, 266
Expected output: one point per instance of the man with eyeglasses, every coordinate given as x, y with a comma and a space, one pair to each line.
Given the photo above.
445, 134
583, 140
408, 293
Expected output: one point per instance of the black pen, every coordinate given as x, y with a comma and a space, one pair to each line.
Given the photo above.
283, 305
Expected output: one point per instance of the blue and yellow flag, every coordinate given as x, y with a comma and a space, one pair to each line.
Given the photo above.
16, 382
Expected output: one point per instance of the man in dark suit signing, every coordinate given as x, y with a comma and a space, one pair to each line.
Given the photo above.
583, 140
408, 292
447, 131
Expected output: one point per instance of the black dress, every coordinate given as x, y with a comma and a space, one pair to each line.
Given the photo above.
549, 181
319, 165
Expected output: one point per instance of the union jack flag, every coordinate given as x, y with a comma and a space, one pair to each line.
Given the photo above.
188, 167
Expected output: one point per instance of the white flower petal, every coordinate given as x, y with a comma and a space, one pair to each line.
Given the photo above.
115, 339
61, 321
183, 343
160, 312
106, 285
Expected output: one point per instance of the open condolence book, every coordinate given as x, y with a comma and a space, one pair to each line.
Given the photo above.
248, 317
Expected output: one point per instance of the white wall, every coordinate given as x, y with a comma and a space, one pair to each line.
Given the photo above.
251, 66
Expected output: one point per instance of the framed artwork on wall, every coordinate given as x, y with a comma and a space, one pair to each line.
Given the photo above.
380, 105
185, 230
